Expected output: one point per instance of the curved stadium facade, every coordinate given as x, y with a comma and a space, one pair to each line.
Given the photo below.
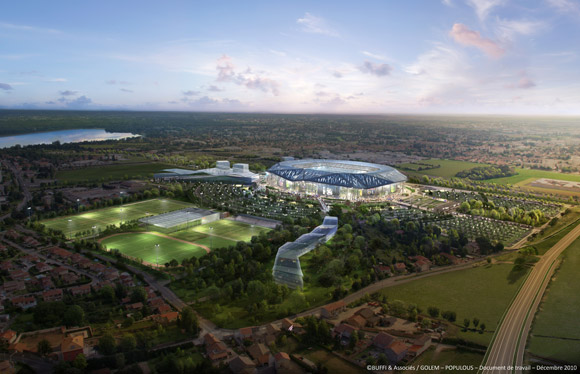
341, 179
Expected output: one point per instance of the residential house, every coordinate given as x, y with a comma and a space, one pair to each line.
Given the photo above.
215, 349
41, 267
344, 331
260, 353
52, 295
71, 347
19, 274
333, 310
242, 365
382, 340
396, 351
282, 362
421, 266
70, 278
167, 318
24, 302
420, 345
8, 336
14, 286
400, 267
452, 259
356, 320
85, 289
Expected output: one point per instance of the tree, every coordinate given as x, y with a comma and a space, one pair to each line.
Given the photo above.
80, 362
482, 328
107, 344
466, 323
120, 360
74, 316
382, 359
475, 322
433, 311
138, 295
449, 315
43, 347
128, 343
188, 320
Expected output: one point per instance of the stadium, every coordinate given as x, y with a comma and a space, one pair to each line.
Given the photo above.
340, 179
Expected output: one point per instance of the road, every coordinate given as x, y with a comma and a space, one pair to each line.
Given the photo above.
38, 364
509, 343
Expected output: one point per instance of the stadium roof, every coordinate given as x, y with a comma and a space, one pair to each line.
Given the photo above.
177, 217
344, 173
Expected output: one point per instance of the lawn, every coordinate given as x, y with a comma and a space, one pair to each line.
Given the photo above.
101, 218
483, 292
111, 172
333, 363
555, 331
219, 234
448, 357
448, 168
144, 246
524, 174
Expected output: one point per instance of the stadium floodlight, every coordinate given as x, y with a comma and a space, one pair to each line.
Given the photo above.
211, 238
157, 254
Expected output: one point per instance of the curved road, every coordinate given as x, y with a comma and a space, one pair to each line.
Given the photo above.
509, 343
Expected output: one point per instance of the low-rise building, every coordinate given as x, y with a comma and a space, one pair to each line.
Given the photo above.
52, 295
24, 302
333, 310
71, 347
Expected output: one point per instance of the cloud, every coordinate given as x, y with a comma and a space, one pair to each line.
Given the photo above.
126, 90
214, 88
12, 26
509, 29
380, 70
249, 79
316, 25
464, 36
447, 2
524, 82
56, 80
79, 102
68, 93
565, 6
5, 87
375, 56
484, 7
191, 93
114, 81
337, 74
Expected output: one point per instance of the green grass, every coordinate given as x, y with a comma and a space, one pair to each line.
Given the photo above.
234, 230
203, 239
333, 363
142, 245
111, 172
525, 174
101, 218
448, 168
558, 313
483, 292
448, 357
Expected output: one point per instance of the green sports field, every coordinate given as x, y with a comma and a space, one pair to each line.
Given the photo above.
223, 233
525, 176
101, 218
143, 245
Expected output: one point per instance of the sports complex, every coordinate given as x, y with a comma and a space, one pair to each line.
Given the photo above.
340, 179
168, 229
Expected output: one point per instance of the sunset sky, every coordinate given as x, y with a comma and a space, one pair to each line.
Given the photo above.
429, 56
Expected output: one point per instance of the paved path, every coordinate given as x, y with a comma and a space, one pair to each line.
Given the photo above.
509, 343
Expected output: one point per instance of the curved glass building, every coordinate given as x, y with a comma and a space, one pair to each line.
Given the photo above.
341, 179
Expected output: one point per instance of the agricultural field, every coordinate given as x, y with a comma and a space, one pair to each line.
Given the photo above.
101, 218
474, 226
422, 202
525, 176
111, 172
447, 169
555, 331
483, 292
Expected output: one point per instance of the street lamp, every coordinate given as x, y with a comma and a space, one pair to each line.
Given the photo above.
94, 228
211, 238
69, 228
29, 210
78, 205
157, 254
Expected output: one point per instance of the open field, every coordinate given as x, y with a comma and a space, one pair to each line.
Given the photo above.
448, 168
483, 292
101, 218
529, 175
333, 363
109, 172
555, 331
446, 357
144, 246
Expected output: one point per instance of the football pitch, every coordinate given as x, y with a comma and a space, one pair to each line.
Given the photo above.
195, 241
101, 218
152, 248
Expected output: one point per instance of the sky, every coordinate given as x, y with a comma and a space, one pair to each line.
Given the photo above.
388, 56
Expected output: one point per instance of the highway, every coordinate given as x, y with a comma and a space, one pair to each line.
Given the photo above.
509, 343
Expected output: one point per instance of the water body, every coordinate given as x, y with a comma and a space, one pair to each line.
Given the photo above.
63, 136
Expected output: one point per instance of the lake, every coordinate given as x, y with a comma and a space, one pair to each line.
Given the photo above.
63, 136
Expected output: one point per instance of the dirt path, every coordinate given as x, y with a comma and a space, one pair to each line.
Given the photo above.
206, 248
